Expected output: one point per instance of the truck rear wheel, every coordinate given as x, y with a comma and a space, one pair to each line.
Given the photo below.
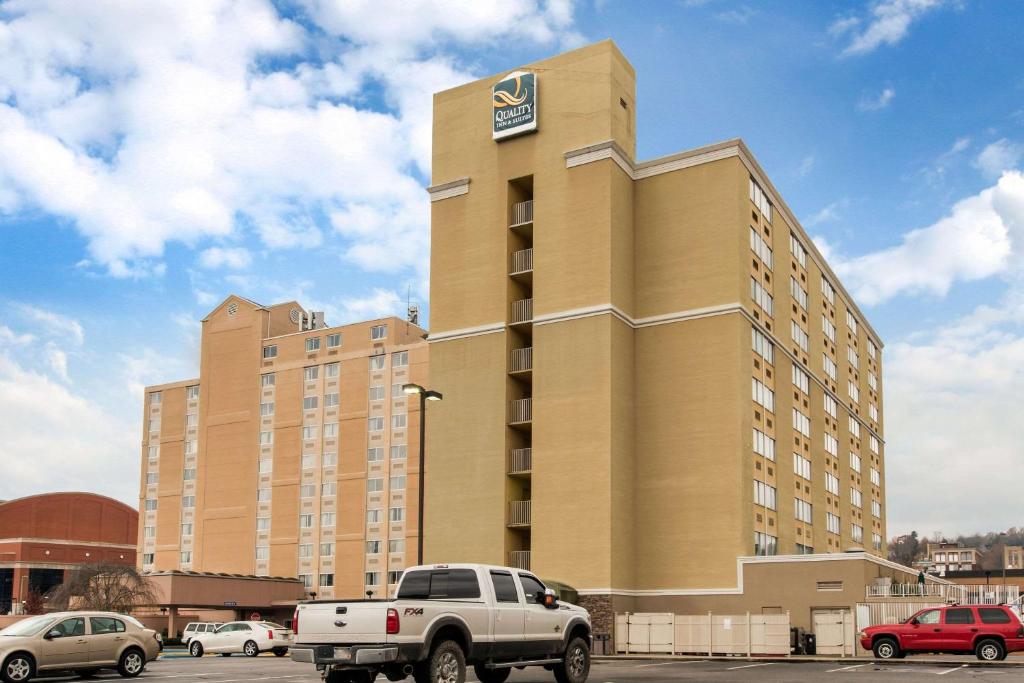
447, 664
485, 675
575, 665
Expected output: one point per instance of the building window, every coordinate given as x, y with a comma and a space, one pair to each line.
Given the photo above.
309, 432
154, 452
312, 344
400, 359
801, 466
305, 550
854, 427
262, 523
189, 474
327, 519
798, 335
374, 454
267, 409
853, 391
764, 445
856, 498
399, 421
332, 370
376, 363
326, 580
147, 558
308, 461
328, 488
186, 529
263, 495
760, 200
832, 483
394, 576
761, 297
397, 483
396, 390
396, 545
398, 452
326, 549
802, 549
876, 509
334, 340
192, 392
857, 532
373, 547
269, 352
156, 398
854, 462
832, 523
149, 532
851, 355
330, 459
764, 495
876, 478
150, 504
851, 322
762, 346
307, 580
266, 438
801, 423
375, 424
310, 374
152, 478
798, 292
305, 521
798, 251
873, 444
872, 350
802, 510
263, 552
154, 425
831, 406
761, 248
827, 291
876, 541
186, 557
377, 393
307, 491
331, 400
830, 366
801, 380
330, 430
373, 516
765, 544
372, 578
873, 412
396, 514
872, 381
268, 380
831, 445
763, 396
188, 501
378, 332
191, 446
828, 328
309, 403
375, 485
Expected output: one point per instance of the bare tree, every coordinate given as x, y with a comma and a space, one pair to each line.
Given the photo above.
103, 587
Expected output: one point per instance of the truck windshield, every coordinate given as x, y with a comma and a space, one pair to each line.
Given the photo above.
439, 584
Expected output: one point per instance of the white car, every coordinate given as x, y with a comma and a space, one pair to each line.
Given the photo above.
195, 627
246, 637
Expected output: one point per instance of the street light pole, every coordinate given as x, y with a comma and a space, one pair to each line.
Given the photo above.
425, 395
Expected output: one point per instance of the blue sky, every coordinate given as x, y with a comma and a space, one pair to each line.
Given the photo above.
156, 157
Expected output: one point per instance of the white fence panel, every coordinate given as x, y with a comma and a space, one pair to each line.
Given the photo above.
759, 634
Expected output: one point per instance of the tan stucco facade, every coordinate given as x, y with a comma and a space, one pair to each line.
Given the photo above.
639, 420
273, 461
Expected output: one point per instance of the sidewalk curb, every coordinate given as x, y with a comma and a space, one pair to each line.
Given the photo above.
811, 659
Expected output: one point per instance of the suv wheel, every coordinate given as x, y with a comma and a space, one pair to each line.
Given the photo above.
251, 649
447, 663
18, 668
886, 648
990, 650
131, 663
196, 649
485, 675
575, 666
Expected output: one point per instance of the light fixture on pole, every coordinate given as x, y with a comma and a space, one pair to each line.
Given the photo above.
425, 395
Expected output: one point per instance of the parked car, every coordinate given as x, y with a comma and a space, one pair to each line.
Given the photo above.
75, 642
245, 637
194, 627
989, 631
446, 617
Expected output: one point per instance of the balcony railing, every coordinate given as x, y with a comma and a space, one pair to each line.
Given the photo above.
522, 360
519, 512
522, 261
520, 411
519, 559
522, 311
522, 213
975, 594
520, 460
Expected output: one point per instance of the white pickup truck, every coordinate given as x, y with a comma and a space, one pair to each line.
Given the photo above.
446, 617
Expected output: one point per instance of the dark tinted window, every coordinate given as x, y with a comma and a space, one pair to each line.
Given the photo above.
960, 615
993, 615
102, 625
440, 584
71, 627
530, 587
504, 587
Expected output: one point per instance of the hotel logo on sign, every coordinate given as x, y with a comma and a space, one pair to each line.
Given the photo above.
515, 105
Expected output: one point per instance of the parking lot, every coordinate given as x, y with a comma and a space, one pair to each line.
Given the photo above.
267, 668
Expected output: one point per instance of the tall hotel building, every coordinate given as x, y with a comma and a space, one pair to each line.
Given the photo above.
289, 455
649, 370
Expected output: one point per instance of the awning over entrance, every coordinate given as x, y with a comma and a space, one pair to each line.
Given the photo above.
223, 591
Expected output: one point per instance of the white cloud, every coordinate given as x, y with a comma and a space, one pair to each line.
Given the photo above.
237, 258
806, 165
1001, 155
829, 213
981, 237
51, 323
378, 304
887, 24
880, 101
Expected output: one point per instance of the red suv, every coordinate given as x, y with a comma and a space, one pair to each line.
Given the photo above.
989, 631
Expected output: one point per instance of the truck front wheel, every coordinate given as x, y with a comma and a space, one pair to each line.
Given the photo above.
485, 675
575, 665
447, 664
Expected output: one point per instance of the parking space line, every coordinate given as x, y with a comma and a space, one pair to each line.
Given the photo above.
682, 661
748, 666
845, 668
949, 671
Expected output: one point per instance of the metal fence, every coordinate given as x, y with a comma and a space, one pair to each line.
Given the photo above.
520, 460
521, 360
703, 634
975, 594
522, 261
522, 311
520, 410
522, 212
519, 513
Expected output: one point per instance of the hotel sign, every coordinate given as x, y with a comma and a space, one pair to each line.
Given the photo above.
515, 105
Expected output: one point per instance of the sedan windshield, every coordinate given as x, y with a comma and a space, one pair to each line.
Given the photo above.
28, 627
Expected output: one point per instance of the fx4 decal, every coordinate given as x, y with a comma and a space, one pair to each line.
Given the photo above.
414, 611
